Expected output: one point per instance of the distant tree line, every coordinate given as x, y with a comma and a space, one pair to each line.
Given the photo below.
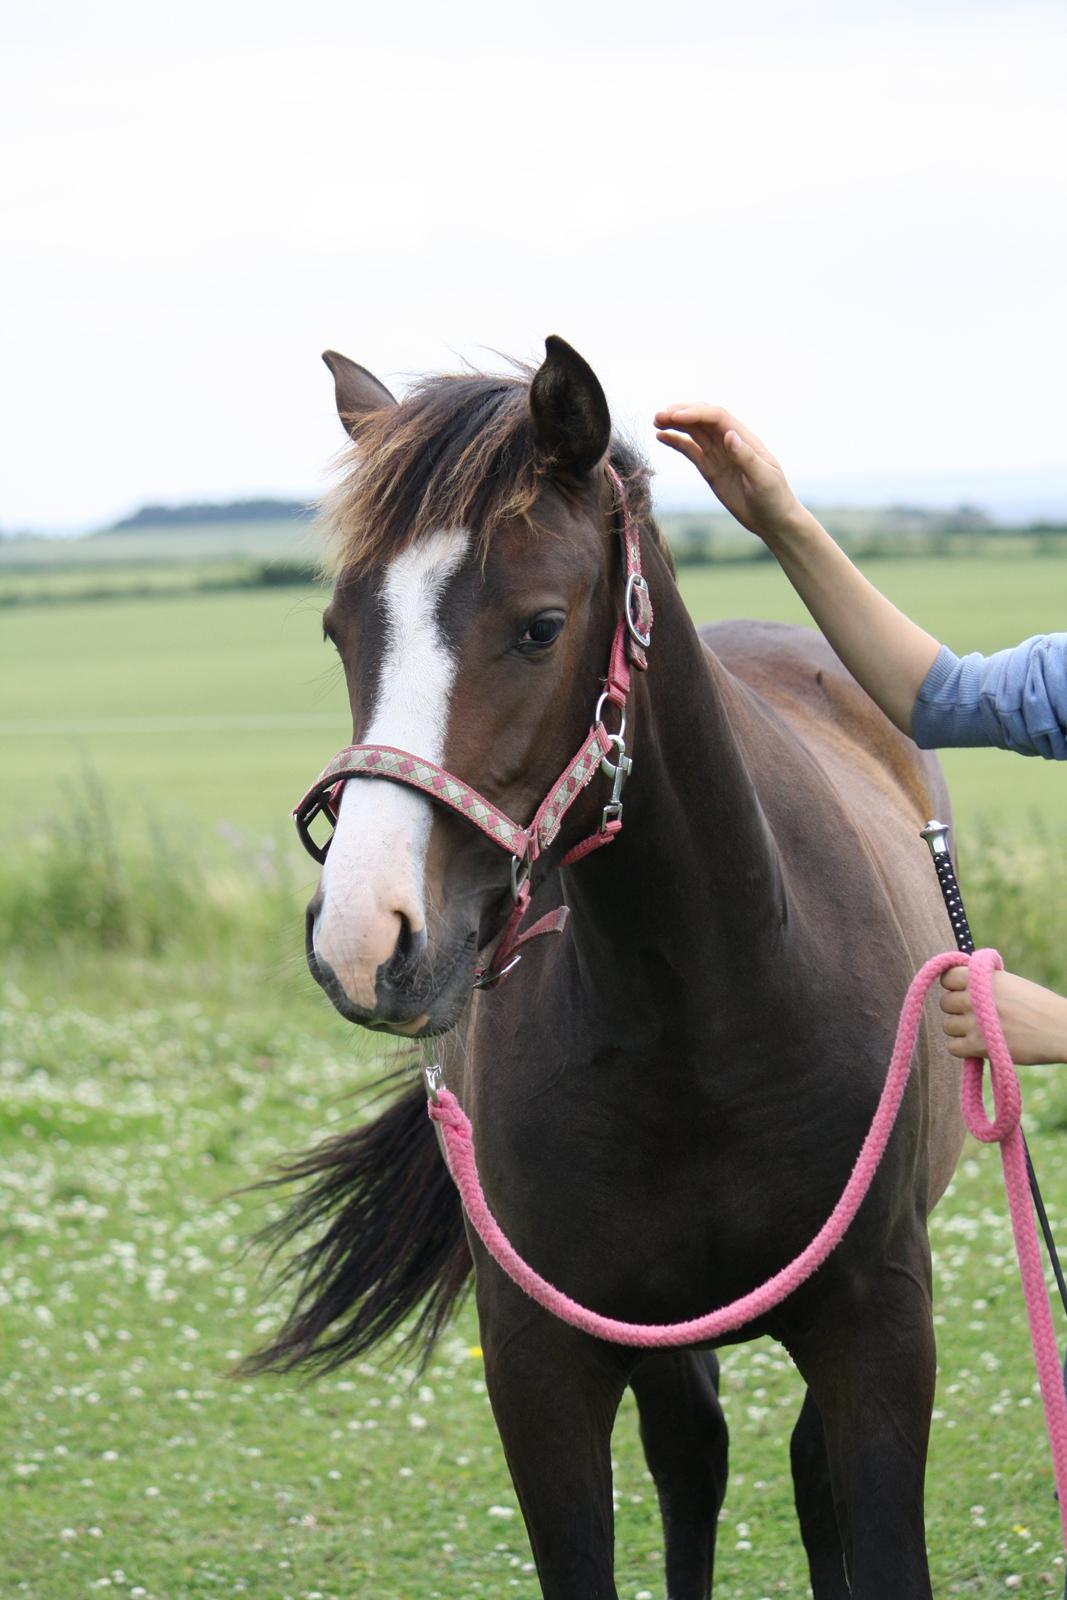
697, 538
52, 589
153, 516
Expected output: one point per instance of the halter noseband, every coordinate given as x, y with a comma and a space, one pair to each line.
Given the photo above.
599, 751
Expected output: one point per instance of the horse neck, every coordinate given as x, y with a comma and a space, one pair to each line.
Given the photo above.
696, 868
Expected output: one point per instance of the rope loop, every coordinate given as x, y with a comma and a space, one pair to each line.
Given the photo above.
458, 1141
1007, 1096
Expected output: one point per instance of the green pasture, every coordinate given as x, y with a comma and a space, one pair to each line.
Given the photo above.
176, 544
175, 560
210, 709
137, 1097
204, 712
161, 1046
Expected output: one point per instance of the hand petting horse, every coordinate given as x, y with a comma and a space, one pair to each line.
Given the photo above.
667, 1099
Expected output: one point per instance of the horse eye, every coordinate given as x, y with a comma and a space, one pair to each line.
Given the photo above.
543, 630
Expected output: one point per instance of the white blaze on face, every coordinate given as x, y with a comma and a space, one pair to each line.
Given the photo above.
373, 875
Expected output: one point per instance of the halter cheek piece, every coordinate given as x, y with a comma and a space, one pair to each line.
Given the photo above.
599, 751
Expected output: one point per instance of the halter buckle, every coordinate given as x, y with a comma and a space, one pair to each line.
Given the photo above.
637, 589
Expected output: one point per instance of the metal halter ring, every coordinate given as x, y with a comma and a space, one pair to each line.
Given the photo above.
636, 584
606, 699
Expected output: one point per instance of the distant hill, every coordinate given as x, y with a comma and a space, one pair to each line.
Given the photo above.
185, 516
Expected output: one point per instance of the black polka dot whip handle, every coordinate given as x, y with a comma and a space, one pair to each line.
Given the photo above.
936, 836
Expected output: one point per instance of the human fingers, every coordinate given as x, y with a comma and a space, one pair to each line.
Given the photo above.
745, 455
956, 978
955, 1002
684, 445
969, 1046
963, 1036
688, 412
708, 423
704, 435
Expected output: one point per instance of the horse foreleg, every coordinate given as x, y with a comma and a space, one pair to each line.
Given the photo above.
869, 1362
685, 1439
813, 1491
554, 1395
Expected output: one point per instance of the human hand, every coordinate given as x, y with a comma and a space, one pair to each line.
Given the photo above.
1034, 1019
738, 466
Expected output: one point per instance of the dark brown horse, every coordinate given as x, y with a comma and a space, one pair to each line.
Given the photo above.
668, 1099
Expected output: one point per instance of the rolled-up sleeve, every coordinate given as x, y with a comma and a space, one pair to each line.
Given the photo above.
1015, 699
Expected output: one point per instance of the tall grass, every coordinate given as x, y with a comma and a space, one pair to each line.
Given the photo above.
1015, 891
87, 876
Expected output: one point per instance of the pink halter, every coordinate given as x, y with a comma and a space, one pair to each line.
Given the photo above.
599, 751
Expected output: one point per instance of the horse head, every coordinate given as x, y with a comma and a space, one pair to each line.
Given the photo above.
477, 587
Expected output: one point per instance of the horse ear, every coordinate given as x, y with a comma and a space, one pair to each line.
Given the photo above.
358, 391
570, 414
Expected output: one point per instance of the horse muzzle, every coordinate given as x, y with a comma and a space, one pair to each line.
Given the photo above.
409, 992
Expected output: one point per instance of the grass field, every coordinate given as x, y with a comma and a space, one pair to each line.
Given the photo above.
161, 1050
176, 545
164, 562
218, 708
137, 1096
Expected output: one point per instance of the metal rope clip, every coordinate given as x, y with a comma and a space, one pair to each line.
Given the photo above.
434, 1076
618, 771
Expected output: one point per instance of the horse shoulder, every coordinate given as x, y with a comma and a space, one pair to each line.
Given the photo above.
794, 671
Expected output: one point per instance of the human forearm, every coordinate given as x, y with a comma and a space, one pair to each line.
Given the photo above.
1050, 1025
887, 653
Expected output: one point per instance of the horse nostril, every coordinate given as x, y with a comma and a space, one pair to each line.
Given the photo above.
410, 945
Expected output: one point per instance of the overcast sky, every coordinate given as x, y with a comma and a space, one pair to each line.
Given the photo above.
846, 221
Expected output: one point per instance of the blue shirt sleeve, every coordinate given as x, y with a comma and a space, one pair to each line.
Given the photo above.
1015, 699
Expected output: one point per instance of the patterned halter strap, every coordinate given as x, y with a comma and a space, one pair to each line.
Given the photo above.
599, 751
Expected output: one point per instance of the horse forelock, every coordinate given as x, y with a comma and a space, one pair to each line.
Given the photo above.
460, 451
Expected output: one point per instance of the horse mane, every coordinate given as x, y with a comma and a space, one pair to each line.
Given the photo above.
458, 452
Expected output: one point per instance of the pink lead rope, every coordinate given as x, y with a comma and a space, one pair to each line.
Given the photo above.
1004, 1130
